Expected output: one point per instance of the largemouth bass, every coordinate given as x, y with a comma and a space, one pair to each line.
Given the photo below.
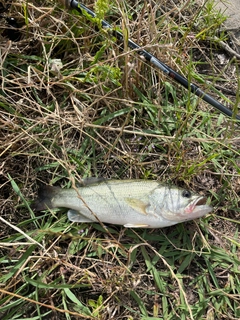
131, 203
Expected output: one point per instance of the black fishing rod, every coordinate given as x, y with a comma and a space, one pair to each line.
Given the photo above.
152, 59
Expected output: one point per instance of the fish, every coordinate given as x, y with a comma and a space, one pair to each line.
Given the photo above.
131, 203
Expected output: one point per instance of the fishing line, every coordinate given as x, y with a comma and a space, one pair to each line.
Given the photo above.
153, 60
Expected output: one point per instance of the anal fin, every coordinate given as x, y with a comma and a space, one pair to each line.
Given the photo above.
76, 216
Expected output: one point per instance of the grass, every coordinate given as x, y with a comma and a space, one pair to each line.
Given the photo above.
99, 110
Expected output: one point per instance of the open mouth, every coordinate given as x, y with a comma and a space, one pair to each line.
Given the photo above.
195, 209
197, 202
201, 201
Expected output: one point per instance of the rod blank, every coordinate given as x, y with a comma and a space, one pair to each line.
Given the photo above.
155, 61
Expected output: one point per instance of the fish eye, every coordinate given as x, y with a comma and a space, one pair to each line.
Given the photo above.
186, 194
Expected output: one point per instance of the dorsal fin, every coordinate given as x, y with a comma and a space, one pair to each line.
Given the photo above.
90, 181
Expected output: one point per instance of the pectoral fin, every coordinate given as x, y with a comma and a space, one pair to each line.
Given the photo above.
76, 216
137, 205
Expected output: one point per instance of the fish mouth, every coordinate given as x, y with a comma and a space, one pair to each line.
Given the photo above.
200, 201
195, 209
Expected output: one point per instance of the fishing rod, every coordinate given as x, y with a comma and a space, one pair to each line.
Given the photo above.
153, 60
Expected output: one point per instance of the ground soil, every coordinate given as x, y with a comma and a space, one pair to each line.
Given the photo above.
232, 24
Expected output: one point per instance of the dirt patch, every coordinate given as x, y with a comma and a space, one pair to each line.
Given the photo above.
232, 24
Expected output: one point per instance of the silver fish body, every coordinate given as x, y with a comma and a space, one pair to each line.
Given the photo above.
132, 203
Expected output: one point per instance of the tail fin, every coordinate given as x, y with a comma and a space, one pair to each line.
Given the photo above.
44, 200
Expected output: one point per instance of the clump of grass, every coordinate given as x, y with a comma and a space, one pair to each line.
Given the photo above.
75, 103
